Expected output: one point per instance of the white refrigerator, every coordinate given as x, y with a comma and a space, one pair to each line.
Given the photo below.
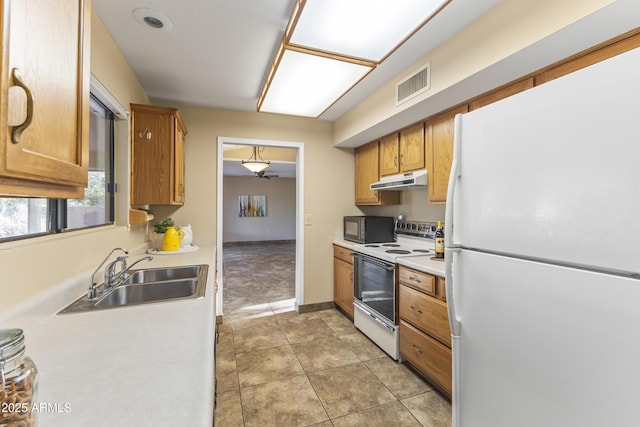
543, 257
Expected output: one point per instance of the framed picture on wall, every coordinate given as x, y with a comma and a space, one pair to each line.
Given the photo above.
251, 205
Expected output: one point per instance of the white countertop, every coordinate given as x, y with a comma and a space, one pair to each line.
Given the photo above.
423, 263
145, 365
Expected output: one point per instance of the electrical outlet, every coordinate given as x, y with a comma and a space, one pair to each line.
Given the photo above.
307, 219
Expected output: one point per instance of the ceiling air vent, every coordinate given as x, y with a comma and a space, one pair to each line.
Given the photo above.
414, 85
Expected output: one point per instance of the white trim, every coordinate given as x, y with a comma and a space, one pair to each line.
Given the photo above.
103, 94
299, 275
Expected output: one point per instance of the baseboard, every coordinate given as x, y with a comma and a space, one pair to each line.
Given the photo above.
256, 242
307, 308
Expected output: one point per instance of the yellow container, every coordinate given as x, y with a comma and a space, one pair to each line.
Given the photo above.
172, 239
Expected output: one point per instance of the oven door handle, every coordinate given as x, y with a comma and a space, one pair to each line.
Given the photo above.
388, 266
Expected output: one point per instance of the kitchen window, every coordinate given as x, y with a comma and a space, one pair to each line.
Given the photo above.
28, 217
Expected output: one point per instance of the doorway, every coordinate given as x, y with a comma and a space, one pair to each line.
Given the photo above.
299, 213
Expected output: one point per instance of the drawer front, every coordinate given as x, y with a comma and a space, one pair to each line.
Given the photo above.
423, 281
426, 313
342, 253
429, 356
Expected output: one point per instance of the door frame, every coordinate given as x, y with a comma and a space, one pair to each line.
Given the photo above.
299, 269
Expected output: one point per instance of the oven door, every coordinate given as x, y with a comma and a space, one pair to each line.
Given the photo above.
375, 285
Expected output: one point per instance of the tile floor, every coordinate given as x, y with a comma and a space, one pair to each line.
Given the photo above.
275, 367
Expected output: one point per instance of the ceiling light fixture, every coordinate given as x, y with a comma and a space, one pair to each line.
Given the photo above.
255, 163
330, 45
152, 19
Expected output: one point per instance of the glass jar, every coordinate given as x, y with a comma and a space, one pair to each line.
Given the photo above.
18, 383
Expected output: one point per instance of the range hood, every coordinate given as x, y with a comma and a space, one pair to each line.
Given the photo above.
404, 181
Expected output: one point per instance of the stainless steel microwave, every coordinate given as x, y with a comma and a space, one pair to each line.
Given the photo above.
368, 229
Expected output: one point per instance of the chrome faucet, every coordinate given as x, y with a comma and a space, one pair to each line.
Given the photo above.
110, 271
92, 293
112, 279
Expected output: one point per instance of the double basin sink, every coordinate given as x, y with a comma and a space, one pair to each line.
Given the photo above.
145, 286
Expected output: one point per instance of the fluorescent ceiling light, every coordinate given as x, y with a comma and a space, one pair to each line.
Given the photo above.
368, 29
305, 85
330, 45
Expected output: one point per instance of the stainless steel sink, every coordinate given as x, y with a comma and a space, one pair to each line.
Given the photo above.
142, 293
150, 285
149, 275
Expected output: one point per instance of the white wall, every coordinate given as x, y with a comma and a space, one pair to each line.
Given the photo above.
280, 221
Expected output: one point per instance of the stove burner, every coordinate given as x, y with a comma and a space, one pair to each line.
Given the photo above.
422, 251
371, 246
391, 245
398, 251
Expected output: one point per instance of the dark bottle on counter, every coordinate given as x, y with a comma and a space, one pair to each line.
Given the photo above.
439, 241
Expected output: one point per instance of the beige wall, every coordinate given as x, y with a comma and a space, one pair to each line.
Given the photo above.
328, 181
280, 220
506, 29
267, 153
32, 266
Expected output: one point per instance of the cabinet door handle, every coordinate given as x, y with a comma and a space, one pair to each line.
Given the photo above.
417, 349
414, 309
16, 132
395, 161
351, 276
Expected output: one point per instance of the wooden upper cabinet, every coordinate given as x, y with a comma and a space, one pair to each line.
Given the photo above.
501, 93
412, 148
402, 152
440, 153
157, 156
390, 155
44, 150
367, 172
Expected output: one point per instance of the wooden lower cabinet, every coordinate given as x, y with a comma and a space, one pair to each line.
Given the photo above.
343, 279
427, 355
427, 313
425, 335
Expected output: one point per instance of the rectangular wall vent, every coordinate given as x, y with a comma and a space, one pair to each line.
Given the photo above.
414, 85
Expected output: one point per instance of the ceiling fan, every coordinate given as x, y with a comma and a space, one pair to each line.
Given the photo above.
261, 174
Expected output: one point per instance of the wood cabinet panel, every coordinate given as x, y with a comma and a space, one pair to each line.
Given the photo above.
389, 155
412, 153
429, 356
343, 285
157, 159
504, 92
426, 313
45, 92
367, 172
342, 253
440, 153
441, 288
417, 279
590, 57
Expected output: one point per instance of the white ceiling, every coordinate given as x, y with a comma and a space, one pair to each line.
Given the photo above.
219, 51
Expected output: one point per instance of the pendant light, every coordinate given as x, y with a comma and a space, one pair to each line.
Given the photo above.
255, 163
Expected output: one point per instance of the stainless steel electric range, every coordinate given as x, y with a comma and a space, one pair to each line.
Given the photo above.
376, 282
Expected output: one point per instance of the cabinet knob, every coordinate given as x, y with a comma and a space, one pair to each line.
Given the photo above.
417, 349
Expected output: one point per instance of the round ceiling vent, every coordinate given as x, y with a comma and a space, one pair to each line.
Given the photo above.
152, 19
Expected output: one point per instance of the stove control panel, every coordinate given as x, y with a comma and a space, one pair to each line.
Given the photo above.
423, 229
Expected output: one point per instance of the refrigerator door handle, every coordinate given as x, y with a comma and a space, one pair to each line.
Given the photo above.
449, 260
453, 180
